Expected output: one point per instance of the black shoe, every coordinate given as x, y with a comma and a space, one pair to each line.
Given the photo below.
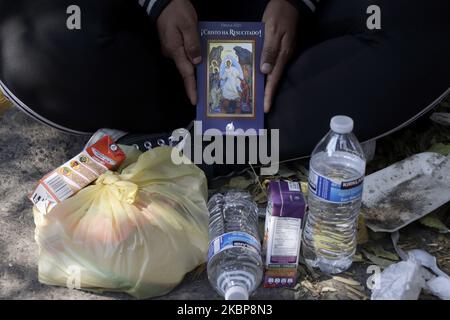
145, 142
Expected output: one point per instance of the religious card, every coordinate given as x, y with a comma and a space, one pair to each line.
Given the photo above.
230, 83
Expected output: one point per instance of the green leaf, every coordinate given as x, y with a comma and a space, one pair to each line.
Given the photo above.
440, 148
432, 221
380, 252
383, 263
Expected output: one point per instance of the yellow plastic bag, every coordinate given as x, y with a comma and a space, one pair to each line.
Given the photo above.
139, 231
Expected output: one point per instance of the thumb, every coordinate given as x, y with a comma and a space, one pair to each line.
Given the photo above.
270, 52
192, 43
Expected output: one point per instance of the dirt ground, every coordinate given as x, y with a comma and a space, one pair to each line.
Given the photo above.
28, 150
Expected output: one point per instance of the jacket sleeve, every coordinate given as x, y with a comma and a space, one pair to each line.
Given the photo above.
153, 7
306, 7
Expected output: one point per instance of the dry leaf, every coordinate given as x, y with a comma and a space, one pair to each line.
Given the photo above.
302, 172
308, 285
356, 292
240, 183
304, 187
433, 244
260, 198
328, 289
353, 296
358, 258
285, 172
350, 282
362, 235
3, 99
432, 221
442, 118
265, 183
4, 104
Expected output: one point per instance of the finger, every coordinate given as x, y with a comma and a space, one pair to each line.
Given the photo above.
271, 48
269, 92
169, 38
186, 70
274, 77
192, 43
165, 52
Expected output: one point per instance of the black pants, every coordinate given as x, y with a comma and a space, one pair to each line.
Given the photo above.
111, 73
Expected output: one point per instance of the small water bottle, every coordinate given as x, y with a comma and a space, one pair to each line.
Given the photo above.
234, 256
337, 169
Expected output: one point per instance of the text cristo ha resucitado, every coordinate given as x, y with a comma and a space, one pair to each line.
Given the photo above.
231, 32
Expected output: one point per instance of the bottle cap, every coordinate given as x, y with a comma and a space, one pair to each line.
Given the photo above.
341, 124
236, 293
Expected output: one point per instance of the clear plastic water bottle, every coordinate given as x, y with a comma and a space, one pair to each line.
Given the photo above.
234, 257
337, 169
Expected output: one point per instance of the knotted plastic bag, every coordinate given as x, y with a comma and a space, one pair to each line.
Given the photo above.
138, 231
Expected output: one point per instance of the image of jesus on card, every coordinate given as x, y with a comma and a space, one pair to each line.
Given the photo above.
231, 76
230, 91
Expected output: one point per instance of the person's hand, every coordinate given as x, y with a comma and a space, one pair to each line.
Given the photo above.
280, 18
177, 28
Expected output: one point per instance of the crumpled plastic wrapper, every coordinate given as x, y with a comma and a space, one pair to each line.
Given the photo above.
439, 286
406, 279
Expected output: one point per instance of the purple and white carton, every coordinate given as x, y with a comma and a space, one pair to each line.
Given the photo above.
283, 228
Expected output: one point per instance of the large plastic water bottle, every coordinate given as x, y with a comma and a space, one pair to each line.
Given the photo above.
336, 177
234, 257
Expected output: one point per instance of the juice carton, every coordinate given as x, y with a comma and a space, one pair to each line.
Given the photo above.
281, 247
77, 173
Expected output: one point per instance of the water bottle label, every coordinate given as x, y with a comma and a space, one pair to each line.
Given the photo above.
231, 240
335, 191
